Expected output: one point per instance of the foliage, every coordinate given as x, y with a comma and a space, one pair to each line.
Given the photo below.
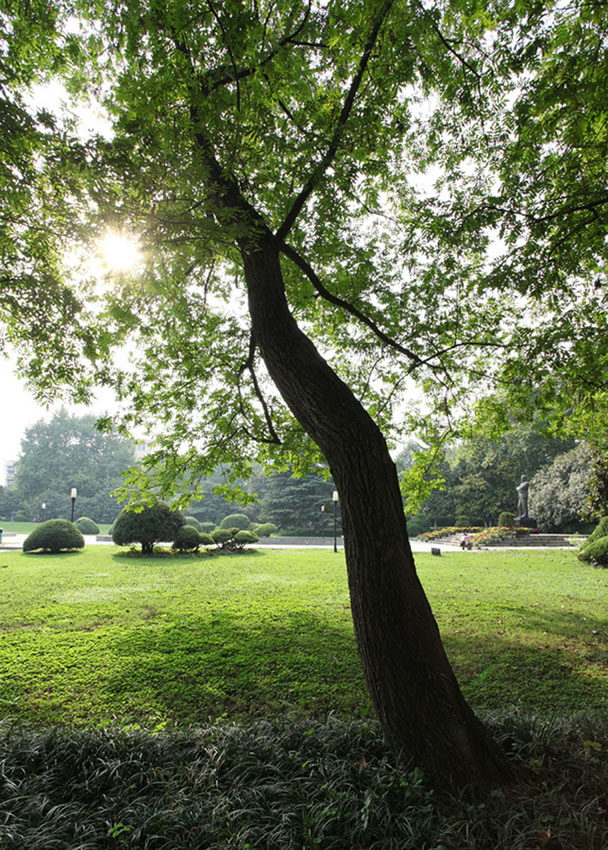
190, 520
265, 529
124, 643
289, 155
559, 492
297, 783
601, 530
449, 531
417, 525
596, 504
85, 525
206, 527
240, 521
205, 539
242, 538
223, 536
495, 534
231, 539
54, 535
147, 525
187, 539
506, 519
595, 552
69, 451
294, 503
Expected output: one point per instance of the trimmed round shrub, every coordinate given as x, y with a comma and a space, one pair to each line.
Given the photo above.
222, 537
265, 529
186, 539
601, 530
205, 539
207, 527
20, 516
85, 525
596, 552
242, 538
506, 519
192, 520
149, 524
238, 521
54, 535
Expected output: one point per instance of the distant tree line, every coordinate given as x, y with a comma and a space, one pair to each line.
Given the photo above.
568, 482
69, 451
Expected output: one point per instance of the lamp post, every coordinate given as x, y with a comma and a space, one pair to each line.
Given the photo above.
335, 499
43, 506
73, 494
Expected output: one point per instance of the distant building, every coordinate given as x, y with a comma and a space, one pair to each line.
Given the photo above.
10, 470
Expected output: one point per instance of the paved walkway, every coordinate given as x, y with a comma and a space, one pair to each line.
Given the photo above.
15, 541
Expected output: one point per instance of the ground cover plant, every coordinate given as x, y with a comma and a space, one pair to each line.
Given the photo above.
323, 785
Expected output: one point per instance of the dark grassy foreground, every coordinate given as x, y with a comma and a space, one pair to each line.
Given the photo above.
290, 785
257, 651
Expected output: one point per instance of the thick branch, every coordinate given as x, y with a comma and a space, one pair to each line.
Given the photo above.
334, 144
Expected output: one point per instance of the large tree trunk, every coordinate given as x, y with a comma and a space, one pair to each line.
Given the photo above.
413, 688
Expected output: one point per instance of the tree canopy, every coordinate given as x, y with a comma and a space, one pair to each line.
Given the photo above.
419, 190
69, 451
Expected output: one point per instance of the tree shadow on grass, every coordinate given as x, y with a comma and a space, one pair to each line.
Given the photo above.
134, 555
64, 552
195, 668
560, 662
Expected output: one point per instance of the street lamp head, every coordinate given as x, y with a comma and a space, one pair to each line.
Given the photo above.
73, 493
335, 497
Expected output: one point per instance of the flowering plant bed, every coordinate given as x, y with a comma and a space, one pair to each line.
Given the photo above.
450, 531
490, 535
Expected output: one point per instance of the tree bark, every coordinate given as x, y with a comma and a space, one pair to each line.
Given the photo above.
415, 693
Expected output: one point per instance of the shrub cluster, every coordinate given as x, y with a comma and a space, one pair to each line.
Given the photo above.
506, 519
54, 535
238, 521
449, 531
265, 529
192, 520
147, 525
595, 550
231, 539
187, 539
85, 525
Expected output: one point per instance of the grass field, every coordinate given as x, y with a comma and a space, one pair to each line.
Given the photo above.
26, 527
257, 651
99, 636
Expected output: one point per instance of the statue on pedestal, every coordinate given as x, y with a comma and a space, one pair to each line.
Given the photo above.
522, 498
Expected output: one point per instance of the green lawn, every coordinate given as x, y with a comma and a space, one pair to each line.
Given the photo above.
98, 636
26, 527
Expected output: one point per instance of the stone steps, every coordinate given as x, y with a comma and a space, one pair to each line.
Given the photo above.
550, 541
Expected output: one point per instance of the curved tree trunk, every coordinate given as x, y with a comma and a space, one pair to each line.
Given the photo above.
415, 693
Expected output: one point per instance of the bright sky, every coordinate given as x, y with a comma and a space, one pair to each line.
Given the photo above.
19, 411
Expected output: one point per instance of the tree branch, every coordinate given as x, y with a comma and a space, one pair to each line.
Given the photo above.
248, 365
304, 266
334, 144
